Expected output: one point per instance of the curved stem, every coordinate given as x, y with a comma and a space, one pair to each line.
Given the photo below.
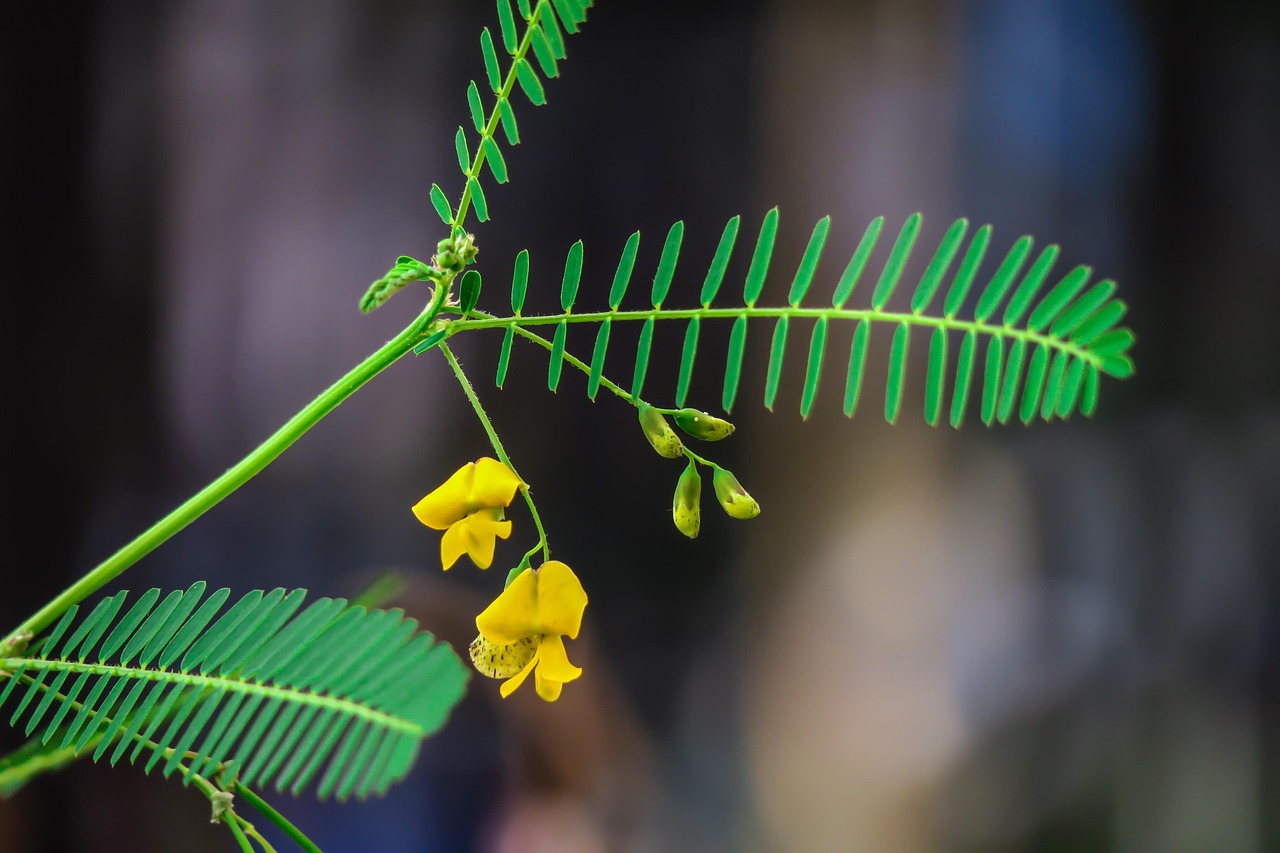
235, 477
234, 824
275, 817
497, 446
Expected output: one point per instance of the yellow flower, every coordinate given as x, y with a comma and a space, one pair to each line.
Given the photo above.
468, 508
522, 631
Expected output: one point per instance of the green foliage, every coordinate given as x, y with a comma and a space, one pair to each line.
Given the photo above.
1046, 367
543, 37
333, 688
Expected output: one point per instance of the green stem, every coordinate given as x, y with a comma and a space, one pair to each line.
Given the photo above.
235, 477
275, 817
497, 447
234, 825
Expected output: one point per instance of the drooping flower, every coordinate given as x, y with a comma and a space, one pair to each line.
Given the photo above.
523, 630
468, 507
686, 508
737, 502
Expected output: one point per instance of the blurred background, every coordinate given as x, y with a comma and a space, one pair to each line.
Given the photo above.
1057, 638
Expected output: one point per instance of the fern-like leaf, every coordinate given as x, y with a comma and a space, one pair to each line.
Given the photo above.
1043, 358
282, 693
543, 38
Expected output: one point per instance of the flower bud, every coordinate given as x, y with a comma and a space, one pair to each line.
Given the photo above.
735, 500
685, 509
702, 425
659, 432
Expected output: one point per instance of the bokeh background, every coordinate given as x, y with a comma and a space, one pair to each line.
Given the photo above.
1057, 638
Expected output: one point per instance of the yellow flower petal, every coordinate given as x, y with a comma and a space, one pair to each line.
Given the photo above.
481, 529
448, 503
547, 689
495, 484
560, 600
510, 616
508, 687
553, 661
453, 544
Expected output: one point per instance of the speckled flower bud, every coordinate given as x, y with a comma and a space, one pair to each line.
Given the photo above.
702, 425
659, 432
735, 500
686, 509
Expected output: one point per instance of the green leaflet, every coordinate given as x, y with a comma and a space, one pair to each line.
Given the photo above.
938, 266
469, 291
460, 147
813, 371
897, 370
991, 379
964, 379
809, 263
1070, 396
242, 670
493, 156
476, 108
849, 280
478, 199
968, 269
776, 351
933, 388
622, 277
857, 366
667, 264
715, 274
733, 363
542, 50
897, 260
572, 275
642, 358
557, 356
1012, 376
441, 204
491, 70
1033, 388
1002, 279
1053, 386
597, 358
687, 354
529, 83
507, 24
1021, 299
519, 281
760, 257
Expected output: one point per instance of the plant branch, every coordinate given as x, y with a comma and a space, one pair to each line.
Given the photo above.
234, 478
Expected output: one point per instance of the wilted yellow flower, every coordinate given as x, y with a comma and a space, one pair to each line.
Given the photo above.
523, 630
469, 509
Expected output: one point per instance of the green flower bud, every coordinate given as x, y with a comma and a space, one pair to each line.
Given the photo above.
686, 509
659, 432
735, 500
702, 425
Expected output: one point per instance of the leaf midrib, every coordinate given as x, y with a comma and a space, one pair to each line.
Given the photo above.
303, 697
872, 315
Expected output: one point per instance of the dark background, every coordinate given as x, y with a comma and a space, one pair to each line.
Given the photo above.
1054, 638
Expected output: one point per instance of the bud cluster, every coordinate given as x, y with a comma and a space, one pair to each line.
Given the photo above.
686, 509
